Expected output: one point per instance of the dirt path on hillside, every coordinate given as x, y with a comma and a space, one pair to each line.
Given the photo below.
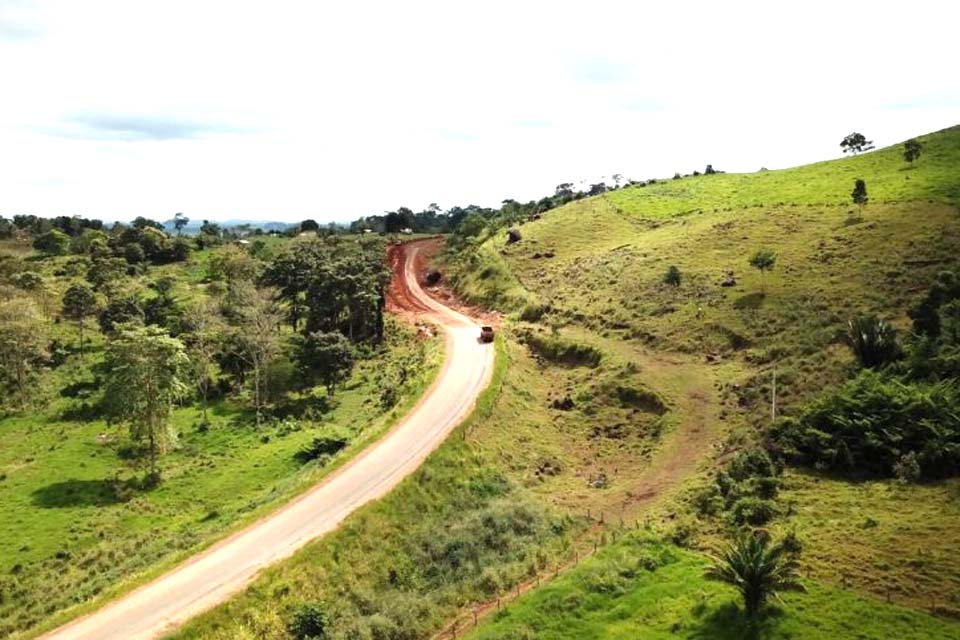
684, 450
214, 575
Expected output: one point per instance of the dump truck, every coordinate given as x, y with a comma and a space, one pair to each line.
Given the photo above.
486, 333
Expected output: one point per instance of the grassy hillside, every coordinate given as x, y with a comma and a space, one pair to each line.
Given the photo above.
644, 588
593, 272
75, 527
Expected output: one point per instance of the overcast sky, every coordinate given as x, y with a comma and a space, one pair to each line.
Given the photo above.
332, 110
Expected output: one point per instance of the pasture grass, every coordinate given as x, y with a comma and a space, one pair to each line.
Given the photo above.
642, 587
596, 267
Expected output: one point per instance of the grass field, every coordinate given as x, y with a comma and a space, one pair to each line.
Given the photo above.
73, 530
594, 270
642, 587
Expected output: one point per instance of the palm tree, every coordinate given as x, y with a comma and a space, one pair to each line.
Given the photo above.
757, 569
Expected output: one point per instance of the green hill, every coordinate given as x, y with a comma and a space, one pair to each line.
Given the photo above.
593, 271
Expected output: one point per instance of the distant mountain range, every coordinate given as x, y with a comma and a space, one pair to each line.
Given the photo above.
267, 225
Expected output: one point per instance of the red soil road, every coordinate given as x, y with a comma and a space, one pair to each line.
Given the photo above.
212, 576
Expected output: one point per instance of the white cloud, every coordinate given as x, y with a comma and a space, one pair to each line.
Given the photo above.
283, 110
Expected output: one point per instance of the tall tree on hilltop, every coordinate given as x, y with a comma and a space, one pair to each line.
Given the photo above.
856, 143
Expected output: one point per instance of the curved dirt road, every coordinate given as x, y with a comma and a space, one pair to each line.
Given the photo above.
212, 576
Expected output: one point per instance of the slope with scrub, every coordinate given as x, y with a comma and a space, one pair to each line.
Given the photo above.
594, 270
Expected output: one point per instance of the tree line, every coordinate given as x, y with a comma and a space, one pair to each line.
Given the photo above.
264, 325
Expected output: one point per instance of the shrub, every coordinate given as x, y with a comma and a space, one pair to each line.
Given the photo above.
873, 341
309, 622
534, 311
673, 276
325, 445
753, 510
389, 397
561, 351
745, 488
52, 243
869, 424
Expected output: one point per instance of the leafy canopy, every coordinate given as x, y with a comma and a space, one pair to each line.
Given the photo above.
145, 373
758, 569
856, 143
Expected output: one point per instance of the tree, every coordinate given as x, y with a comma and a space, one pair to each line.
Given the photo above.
673, 276
912, 150
210, 229
309, 225
79, 302
144, 372
52, 243
872, 340
146, 223
202, 337
471, 226
23, 339
856, 143
597, 189
119, 310
258, 323
859, 194
105, 272
232, 264
763, 260
326, 356
757, 569
179, 222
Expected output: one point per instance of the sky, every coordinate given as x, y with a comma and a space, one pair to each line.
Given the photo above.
288, 110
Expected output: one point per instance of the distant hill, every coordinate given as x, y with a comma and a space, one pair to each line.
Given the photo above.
266, 225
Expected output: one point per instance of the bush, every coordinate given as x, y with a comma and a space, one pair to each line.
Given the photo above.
309, 622
325, 445
389, 397
672, 276
564, 352
753, 510
745, 488
533, 312
873, 341
868, 425
52, 243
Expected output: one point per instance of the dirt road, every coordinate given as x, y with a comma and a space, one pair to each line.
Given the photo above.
224, 569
